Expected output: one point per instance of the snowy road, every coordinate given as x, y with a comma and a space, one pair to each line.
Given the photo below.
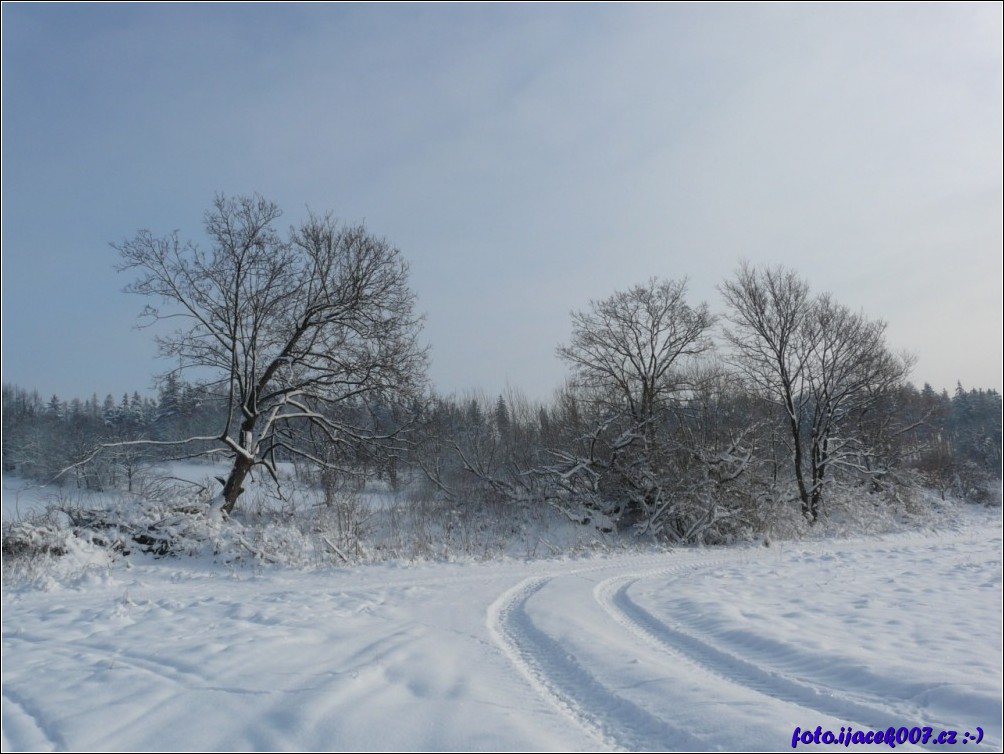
696, 649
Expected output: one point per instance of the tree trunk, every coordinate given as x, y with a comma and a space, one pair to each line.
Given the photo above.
820, 457
234, 485
803, 492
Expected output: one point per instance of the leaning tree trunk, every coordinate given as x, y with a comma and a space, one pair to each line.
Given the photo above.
234, 485
243, 463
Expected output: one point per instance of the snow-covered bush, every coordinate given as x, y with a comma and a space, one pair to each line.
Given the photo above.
43, 548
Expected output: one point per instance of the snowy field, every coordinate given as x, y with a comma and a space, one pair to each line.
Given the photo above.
697, 649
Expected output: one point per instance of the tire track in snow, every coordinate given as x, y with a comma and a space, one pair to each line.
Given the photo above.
24, 730
612, 595
567, 685
98, 657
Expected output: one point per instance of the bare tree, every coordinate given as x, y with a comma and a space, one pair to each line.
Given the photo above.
293, 327
627, 346
627, 354
823, 364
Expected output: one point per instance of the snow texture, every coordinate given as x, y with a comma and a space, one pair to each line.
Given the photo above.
697, 649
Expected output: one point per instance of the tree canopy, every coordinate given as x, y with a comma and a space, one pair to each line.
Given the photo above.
291, 325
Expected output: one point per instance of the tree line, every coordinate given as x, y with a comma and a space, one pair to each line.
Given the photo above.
719, 460
715, 465
52, 439
674, 422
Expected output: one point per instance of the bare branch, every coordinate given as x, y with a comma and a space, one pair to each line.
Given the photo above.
323, 315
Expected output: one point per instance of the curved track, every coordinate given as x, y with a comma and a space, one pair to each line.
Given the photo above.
553, 654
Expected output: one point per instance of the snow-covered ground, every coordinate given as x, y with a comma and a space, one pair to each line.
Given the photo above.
26, 497
700, 649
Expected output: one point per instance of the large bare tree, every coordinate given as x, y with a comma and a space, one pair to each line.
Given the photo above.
293, 327
823, 364
628, 354
629, 347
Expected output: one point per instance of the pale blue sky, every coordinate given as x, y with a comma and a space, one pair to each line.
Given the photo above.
524, 158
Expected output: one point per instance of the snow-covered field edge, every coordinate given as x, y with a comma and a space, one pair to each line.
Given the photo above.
598, 647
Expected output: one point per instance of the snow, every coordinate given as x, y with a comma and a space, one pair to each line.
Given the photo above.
703, 649
25, 497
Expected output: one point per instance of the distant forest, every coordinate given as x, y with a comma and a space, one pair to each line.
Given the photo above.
727, 452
